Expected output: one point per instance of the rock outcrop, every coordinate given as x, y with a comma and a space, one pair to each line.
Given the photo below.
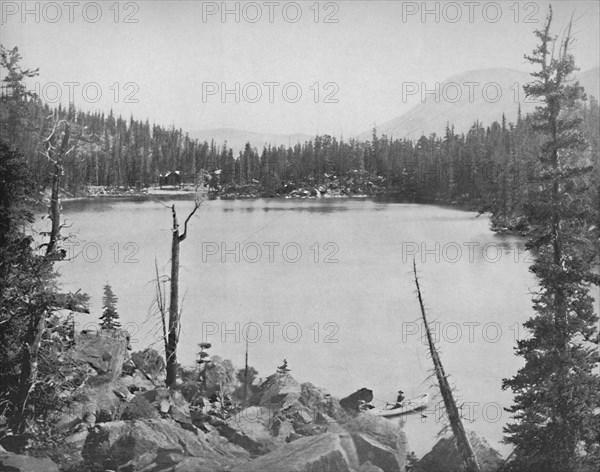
104, 350
293, 425
379, 441
124, 421
282, 411
104, 401
376, 453
352, 401
254, 429
17, 463
322, 453
277, 389
444, 456
146, 444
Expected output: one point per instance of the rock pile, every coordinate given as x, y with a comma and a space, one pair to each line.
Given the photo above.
300, 427
124, 420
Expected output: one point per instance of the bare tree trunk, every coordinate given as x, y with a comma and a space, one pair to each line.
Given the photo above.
174, 314
173, 337
56, 156
462, 442
246, 372
54, 210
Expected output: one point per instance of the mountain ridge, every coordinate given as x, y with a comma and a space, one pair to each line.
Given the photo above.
429, 116
432, 115
237, 138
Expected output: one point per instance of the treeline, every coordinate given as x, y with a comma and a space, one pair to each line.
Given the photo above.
488, 168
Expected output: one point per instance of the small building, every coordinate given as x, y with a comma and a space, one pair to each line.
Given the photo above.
172, 179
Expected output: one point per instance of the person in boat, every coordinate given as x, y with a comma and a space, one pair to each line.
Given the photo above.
400, 398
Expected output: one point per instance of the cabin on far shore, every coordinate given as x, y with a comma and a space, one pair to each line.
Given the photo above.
170, 179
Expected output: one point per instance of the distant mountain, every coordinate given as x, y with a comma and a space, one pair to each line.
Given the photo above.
461, 100
237, 139
457, 103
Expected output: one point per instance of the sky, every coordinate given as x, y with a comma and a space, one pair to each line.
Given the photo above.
290, 67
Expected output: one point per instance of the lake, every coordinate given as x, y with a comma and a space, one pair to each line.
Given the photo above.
327, 285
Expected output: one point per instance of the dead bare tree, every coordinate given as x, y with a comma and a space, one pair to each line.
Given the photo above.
246, 372
56, 153
462, 441
174, 313
56, 149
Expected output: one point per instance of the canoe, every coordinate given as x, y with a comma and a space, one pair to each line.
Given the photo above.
407, 406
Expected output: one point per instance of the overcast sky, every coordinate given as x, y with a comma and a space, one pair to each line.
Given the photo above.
179, 52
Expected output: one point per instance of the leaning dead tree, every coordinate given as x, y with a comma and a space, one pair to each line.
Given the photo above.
462, 442
174, 313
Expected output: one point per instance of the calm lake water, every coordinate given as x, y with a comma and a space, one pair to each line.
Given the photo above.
327, 285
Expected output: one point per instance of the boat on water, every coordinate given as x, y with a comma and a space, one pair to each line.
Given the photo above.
409, 405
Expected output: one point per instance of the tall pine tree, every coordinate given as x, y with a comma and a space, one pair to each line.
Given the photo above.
110, 317
556, 401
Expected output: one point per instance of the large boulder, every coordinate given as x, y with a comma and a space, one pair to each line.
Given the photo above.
325, 408
251, 429
136, 382
324, 453
371, 450
444, 456
352, 401
91, 404
277, 389
17, 463
109, 401
169, 402
282, 411
137, 445
17, 443
381, 429
378, 441
104, 350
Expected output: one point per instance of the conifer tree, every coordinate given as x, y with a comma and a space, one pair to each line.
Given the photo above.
110, 317
556, 407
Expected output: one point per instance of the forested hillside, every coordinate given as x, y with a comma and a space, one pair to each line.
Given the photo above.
486, 169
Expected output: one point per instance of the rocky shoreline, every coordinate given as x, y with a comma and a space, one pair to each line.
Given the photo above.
123, 419
302, 193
